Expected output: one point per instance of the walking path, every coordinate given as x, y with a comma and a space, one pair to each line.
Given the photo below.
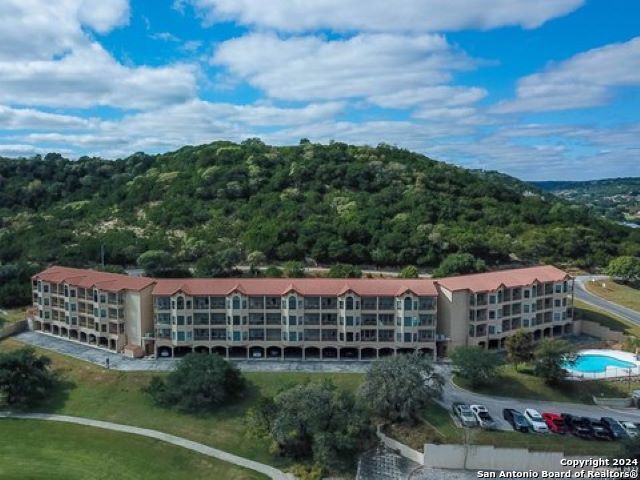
99, 356
267, 470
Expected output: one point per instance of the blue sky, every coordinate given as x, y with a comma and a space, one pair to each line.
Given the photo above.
541, 90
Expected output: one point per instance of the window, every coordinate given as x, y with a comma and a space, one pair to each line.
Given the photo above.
492, 299
349, 320
369, 303
385, 303
163, 318
558, 288
218, 319
217, 302
293, 320
180, 303
311, 303
236, 302
349, 303
180, 319
426, 303
527, 294
293, 336
292, 303
408, 304
201, 303
163, 303
407, 337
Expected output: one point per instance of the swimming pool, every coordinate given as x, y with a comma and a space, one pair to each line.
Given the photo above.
589, 363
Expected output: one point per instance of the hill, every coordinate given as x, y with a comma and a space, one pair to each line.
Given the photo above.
614, 198
216, 205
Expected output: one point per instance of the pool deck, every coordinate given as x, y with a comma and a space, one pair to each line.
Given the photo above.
610, 372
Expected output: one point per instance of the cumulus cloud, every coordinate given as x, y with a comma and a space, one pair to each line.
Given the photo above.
27, 118
585, 80
381, 16
366, 65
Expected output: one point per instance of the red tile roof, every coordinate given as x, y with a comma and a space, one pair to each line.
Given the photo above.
84, 278
303, 286
517, 277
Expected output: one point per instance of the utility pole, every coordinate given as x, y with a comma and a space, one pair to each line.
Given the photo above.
102, 254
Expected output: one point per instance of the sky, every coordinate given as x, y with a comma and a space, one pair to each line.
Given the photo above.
542, 90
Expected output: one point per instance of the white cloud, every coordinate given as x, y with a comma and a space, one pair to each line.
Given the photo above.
383, 16
442, 95
27, 118
585, 80
366, 65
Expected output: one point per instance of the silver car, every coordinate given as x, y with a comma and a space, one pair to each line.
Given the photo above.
464, 414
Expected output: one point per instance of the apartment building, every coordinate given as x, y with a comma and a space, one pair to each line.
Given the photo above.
97, 308
484, 309
308, 318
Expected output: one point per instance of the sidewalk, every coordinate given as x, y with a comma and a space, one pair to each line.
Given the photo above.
119, 362
267, 470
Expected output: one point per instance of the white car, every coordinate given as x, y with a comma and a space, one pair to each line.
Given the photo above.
482, 415
535, 419
631, 429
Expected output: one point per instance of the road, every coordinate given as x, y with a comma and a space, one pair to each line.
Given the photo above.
453, 393
581, 293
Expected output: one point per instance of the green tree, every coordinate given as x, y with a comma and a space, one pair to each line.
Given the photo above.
625, 268
550, 358
459, 263
475, 364
25, 378
293, 269
341, 270
519, 347
314, 421
397, 388
156, 262
200, 382
409, 272
273, 272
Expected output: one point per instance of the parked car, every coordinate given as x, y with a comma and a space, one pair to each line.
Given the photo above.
599, 430
516, 420
631, 429
616, 431
464, 414
577, 426
555, 422
535, 419
482, 415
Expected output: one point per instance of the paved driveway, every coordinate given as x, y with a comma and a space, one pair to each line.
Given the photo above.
581, 293
99, 357
452, 393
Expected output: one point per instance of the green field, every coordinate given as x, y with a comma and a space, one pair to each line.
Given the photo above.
586, 311
616, 292
523, 384
13, 315
94, 392
48, 450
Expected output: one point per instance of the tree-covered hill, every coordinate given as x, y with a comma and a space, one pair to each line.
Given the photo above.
216, 205
615, 198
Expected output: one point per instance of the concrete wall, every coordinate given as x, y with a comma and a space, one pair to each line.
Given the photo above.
13, 328
612, 402
453, 316
401, 448
596, 330
476, 457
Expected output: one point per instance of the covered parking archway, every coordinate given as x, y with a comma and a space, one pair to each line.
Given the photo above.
103, 342
427, 352
112, 344
368, 353
83, 337
386, 352
73, 334
55, 330
256, 352
274, 353
181, 351
547, 332
92, 339
329, 353
348, 353
312, 353
238, 352
201, 349
293, 353
220, 350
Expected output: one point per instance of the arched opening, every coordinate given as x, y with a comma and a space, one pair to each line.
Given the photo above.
482, 344
368, 353
502, 341
165, 351
546, 333
537, 334
92, 339
83, 337
293, 353
274, 352
181, 351
292, 303
180, 303
427, 352
349, 303
55, 330
256, 353
405, 351
312, 353
37, 325
222, 351
568, 329
329, 353
386, 352
64, 332
201, 349
348, 353
236, 302
46, 327
112, 344
73, 334
238, 352
557, 330
103, 342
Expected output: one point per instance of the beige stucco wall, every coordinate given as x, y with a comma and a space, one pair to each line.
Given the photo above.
453, 316
138, 314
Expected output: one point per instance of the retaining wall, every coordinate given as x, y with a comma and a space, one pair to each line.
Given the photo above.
13, 328
401, 448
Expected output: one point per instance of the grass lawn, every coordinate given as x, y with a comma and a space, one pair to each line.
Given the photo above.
616, 292
523, 384
13, 315
54, 451
586, 311
117, 397
438, 427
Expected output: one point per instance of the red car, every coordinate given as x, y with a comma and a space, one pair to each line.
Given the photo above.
555, 422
